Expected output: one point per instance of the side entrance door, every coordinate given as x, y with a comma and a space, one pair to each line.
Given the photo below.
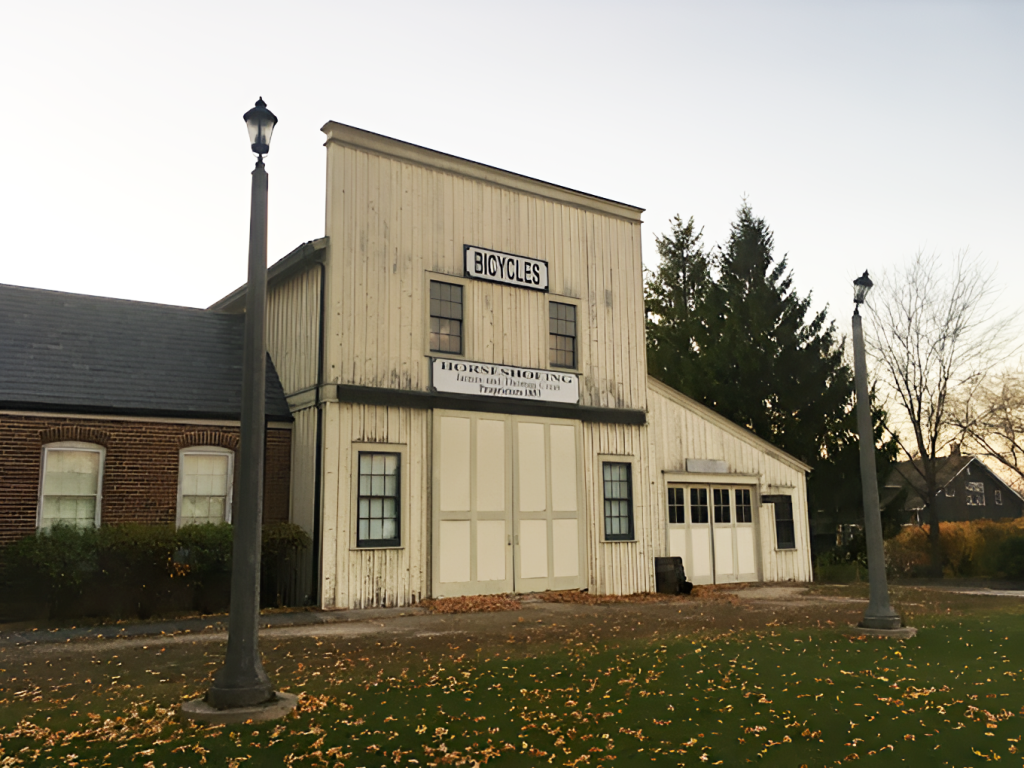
711, 528
506, 505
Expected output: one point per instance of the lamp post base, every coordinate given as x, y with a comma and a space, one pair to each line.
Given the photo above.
902, 633
891, 621
200, 711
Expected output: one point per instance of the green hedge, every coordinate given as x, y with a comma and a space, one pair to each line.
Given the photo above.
134, 570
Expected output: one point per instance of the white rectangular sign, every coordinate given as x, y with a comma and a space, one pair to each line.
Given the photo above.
498, 267
466, 378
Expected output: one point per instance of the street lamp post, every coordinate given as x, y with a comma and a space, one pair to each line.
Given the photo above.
879, 613
242, 689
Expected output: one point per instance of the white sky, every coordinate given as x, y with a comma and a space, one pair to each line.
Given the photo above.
862, 131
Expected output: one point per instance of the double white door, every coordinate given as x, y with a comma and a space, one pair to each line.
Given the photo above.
712, 528
506, 504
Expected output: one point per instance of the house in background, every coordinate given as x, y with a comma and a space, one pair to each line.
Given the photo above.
969, 490
116, 411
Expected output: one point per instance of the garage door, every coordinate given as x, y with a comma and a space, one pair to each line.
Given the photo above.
506, 505
712, 528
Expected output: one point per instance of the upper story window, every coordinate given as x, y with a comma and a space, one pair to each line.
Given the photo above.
445, 317
999, 497
71, 489
204, 485
562, 334
975, 494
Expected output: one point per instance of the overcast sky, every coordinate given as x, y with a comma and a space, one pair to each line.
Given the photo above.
861, 131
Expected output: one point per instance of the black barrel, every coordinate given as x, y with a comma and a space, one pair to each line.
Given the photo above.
666, 574
669, 577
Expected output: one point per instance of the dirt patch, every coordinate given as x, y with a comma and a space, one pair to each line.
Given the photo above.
472, 604
702, 592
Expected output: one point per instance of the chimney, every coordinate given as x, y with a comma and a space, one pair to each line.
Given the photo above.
954, 450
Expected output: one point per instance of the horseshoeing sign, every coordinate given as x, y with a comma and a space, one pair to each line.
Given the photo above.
465, 378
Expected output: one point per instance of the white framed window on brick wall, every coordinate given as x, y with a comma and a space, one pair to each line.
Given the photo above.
71, 485
205, 480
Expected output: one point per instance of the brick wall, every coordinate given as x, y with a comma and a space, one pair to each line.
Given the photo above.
140, 475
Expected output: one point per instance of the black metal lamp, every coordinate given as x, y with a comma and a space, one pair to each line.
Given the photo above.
260, 121
861, 286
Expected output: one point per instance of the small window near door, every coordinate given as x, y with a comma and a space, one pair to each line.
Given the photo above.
721, 497
744, 512
676, 505
785, 533
698, 505
618, 502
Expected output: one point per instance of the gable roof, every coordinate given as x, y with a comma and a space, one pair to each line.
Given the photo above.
713, 416
72, 353
909, 475
300, 259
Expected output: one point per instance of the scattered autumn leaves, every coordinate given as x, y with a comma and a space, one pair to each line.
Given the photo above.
777, 695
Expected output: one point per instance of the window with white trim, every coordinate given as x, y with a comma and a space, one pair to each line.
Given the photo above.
71, 491
999, 497
785, 526
618, 501
205, 475
379, 511
975, 494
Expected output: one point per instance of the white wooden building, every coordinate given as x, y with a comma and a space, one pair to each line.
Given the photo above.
465, 361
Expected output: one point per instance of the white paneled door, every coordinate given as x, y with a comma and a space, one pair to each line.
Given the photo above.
712, 528
506, 505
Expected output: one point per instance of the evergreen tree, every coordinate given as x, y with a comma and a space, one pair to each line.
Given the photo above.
729, 330
675, 299
775, 371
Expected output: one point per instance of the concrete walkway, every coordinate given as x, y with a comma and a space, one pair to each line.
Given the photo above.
761, 598
215, 625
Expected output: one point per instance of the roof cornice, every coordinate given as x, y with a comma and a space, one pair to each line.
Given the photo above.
375, 143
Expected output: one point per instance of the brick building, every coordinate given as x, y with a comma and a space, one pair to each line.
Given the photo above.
117, 411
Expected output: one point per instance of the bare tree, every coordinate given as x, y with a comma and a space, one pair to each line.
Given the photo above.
993, 422
937, 335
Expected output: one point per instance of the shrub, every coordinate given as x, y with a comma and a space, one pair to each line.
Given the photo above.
135, 569
973, 548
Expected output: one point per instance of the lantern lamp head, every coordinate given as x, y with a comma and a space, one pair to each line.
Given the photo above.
260, 121
861, 286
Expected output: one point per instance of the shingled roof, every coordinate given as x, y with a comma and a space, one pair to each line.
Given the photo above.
910, 475
85, 354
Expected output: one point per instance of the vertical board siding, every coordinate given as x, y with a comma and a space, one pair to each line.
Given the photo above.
620, 567
302, 502
681, 433
392, 221
365, 578
293, 325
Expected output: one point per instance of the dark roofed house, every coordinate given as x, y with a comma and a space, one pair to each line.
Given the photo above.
118, 411
969, 490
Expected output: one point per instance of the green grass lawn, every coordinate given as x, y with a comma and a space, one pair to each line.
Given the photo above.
776, 695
